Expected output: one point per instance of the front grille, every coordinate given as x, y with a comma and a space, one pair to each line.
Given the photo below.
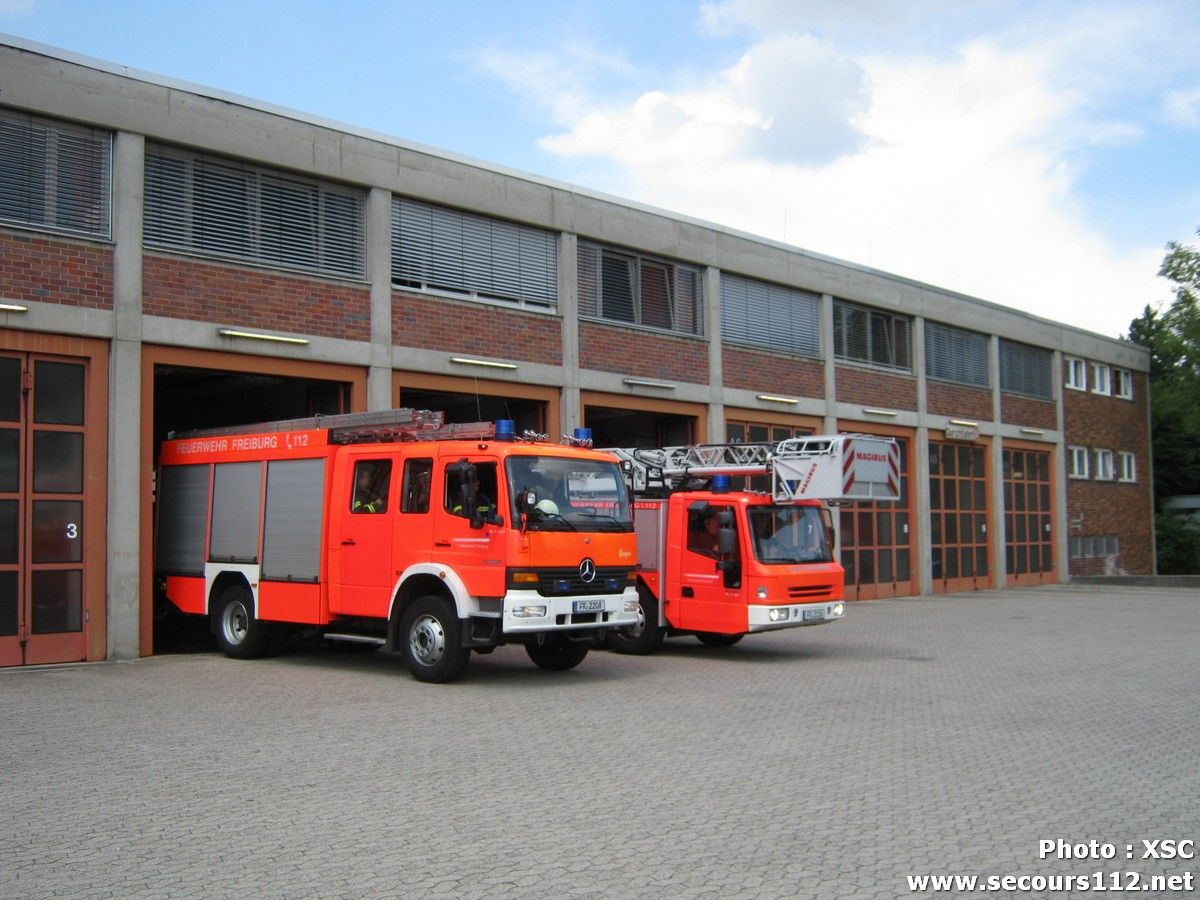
810, 591
565, 582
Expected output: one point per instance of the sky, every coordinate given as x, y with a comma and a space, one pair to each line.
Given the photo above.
1038, 154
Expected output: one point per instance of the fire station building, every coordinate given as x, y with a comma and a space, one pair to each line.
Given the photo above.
172, 257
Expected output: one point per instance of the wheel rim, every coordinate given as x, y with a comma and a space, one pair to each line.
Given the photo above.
235, 622
427, 640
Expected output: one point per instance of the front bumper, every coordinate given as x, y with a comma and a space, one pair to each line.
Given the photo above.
528, 612
771, 617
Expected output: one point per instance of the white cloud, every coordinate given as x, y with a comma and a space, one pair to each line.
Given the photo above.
725, 17
958, 170
1182, 107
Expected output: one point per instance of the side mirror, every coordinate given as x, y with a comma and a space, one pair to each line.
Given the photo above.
726, 541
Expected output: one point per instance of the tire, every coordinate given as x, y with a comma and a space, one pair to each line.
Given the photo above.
431, 640
556, 653
712, 639
239, 634
642, 638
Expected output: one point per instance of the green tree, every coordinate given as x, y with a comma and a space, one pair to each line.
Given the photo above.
1173, 338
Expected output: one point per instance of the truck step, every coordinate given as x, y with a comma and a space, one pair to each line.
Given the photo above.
355, 638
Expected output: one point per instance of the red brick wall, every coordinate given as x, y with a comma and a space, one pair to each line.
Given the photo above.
641, 353
874, 388
56, 271
207, 292
1016, 410
958, 401
755, 370
460, 326
1097, 508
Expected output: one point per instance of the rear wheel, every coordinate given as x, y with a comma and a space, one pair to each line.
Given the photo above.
556, 653
644, 637
239, 634
712, 639
431, 640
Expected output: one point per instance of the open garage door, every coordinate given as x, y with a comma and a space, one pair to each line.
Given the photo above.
187, 397
618, 427
527, 414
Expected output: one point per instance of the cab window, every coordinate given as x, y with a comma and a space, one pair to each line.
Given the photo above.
415, 493
371, 480
458, 474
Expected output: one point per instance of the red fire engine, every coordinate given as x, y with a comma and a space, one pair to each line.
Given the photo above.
721, 564
396, 529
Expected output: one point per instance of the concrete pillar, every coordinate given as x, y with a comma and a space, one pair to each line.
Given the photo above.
379, 275
126, 483
570, 411
999, 562
711, 292
827, 354
1062, 542
919, 466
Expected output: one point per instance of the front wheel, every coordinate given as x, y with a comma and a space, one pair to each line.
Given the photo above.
238, 632
556, 653
712, 639
641, 638
431, 640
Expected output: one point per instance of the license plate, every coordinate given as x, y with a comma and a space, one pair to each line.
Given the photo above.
581, 606
810, 615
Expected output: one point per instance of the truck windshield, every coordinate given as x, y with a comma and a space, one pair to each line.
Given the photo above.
789, 534
561, 494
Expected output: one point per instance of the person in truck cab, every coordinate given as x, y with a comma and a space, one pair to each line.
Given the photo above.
370, 487
702, 538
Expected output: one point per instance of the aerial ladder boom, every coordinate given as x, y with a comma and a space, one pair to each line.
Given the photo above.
833, 468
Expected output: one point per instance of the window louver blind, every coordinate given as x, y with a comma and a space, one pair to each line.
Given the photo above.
770, 316
952, 354
871, 336
203, 204
1025, 370
626, 288
54, 175
436, 248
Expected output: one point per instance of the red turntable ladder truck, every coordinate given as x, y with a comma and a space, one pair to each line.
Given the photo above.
721, 564
396, 529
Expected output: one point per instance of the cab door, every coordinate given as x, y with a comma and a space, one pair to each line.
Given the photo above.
710, 597
471, 540
362, 572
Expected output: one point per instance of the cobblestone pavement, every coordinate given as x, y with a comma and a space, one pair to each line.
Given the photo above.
918, 736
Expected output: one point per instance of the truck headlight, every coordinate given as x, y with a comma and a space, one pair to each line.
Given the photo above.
838, 608
631, 606
778, 613
529, 612
761, 593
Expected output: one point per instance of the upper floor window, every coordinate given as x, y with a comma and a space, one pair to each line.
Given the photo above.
1104, 465
952, 354
54, 175
1076, 374
1078, 462
871, 336
770, 316
1126, 466
1025, 370
1101, 379
1124, 379
436, 248
223, 207
628, 287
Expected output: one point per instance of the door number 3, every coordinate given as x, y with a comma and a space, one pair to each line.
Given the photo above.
72, 531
